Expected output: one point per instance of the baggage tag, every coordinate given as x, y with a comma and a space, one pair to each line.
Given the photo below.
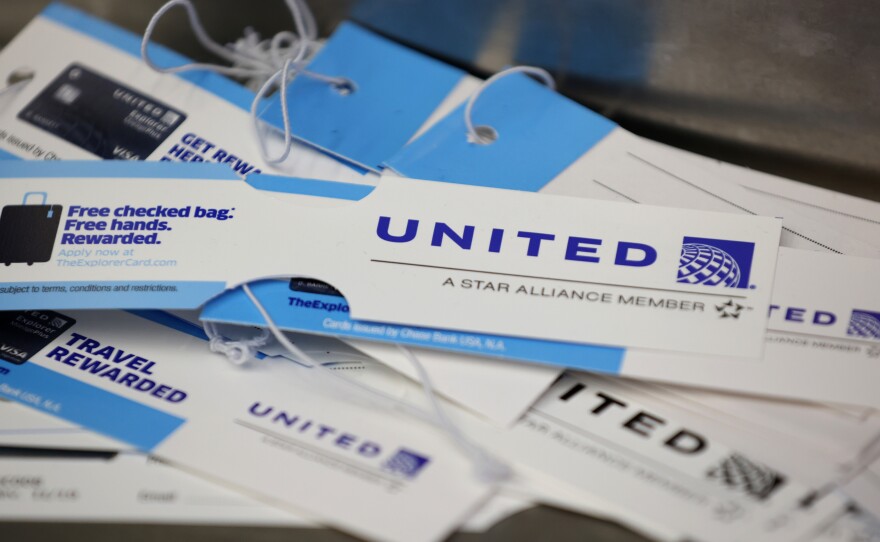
853, 216
704, 476
132, 488
817, 323
176, 235
90, 96
270, 432
547, 143
393, 91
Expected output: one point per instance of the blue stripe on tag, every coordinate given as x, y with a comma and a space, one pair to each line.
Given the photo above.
171, 321
87, 405
4, 155
397, 89
309, 187
323, 314
104, 295
121, 169
540, 133
130, 43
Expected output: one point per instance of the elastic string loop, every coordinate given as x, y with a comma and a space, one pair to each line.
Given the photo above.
237, 352
248, 66
487, 468
259, 130
264, 64
489, 134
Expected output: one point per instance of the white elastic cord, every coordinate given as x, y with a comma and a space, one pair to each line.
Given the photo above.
487, 468
864, 459
473, 133
14, 87
238, 352
261, 63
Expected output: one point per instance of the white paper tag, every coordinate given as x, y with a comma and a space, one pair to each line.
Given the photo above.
478, 259
22, 427
93, 99
851, 216
267, 432
128, 488
625, 167
822, 344
663, 463
815, 378
465, 379
135, 489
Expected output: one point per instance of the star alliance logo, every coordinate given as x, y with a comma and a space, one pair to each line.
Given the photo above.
729, 309
715, 262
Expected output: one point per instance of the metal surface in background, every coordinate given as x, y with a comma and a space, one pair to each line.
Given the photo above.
791, 88
536, 524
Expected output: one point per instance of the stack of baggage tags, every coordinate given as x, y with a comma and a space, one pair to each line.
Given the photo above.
736, 400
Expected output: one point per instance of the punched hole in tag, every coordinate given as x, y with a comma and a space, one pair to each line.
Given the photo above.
344, 87
268, 65
16, 80
19, 75
485, 134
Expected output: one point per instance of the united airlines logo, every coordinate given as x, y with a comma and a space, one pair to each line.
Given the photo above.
709, 262
715, 262
405, 463
864, 324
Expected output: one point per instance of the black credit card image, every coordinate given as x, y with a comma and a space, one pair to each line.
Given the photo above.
24, 333
312, 286
27, 232
101, 116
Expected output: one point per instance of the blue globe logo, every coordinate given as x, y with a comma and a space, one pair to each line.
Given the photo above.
864, 324
707, 265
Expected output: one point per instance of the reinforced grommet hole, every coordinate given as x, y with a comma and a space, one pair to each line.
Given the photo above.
19, 75
344, 88
485, 135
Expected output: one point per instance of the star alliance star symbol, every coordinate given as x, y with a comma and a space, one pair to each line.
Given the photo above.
729, 309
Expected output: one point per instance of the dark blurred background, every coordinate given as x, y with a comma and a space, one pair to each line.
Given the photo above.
791, 88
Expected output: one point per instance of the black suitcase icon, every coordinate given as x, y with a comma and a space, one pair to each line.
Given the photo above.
27, 232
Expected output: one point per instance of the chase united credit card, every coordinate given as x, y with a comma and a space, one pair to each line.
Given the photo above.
101, 116
24, 333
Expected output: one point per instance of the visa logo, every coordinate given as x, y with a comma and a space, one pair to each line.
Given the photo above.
121, 153
581, 249
13, 351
